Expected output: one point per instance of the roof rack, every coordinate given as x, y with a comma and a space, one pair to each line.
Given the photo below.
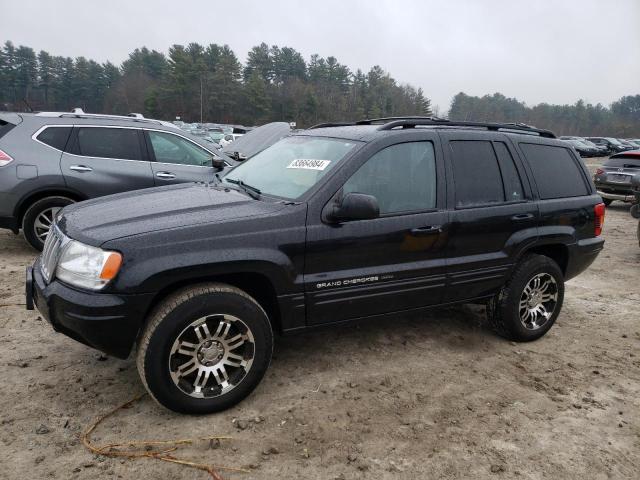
79, 113
389, 123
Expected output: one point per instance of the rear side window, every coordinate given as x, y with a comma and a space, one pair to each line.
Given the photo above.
511, 179
5, 127
55, 137
476, 173
120, 143
555, 171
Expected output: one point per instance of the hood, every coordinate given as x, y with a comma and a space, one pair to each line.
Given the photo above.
257, 140
141, 211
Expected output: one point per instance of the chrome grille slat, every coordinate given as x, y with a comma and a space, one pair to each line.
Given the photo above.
51, 252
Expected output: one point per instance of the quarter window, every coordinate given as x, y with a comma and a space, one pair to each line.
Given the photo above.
555, 171
510, 177
119, 143
55, 137
169, 148
402, 178
476, 173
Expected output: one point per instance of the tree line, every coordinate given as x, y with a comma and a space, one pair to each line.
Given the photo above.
198, 82
621, 119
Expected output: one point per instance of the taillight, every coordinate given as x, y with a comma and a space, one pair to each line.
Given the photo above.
5, 159
598, 210
599, 171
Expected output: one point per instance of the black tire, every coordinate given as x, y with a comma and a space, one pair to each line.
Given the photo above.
173, 316
31, 235
635, 210
503, 310
607, 201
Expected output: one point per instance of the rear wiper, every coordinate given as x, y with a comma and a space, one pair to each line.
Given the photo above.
253, 192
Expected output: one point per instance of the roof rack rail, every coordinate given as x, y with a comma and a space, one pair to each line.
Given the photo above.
389, 123
332, 124
79, 113
513, 127
371, 121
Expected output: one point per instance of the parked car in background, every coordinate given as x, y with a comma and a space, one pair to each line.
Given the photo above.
227, 139
635, 208
613, 145
634, 141
582, 148
601, 150
256, 140
630, 145
613, 178
329, 225
51, 159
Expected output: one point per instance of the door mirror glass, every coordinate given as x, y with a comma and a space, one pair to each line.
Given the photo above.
356, 206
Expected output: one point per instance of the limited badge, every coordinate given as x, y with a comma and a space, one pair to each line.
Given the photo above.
309, 164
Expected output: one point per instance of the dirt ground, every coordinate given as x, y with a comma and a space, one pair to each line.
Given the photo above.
430, 396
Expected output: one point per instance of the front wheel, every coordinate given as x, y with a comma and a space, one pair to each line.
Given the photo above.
205, 348
529, 304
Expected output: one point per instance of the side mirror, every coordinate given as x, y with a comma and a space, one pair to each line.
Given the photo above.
356, 206
217, 162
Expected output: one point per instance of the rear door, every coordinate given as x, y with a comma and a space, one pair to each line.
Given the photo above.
493, 213
104, 160
177, 159
392, 263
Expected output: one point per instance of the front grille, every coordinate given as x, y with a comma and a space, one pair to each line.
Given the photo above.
51, 252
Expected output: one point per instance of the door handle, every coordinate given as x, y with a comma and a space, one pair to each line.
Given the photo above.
80, 168
522, 216
165, 175
430, 230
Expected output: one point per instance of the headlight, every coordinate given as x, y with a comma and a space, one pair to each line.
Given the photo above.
87, 267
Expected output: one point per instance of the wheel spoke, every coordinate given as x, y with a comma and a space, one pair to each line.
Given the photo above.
202, 332
223, 329
187, 367
235, 342
548, 297
234, 360
187, 348
201, 380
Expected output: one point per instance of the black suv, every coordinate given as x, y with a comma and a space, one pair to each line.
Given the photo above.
332, 224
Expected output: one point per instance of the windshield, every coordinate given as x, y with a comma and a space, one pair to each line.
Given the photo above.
290, 167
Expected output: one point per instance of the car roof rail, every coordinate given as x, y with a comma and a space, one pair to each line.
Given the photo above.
79, 113
389, 123
440, 122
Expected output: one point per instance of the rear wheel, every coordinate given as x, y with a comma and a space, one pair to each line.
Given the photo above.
39, 217
529, 304
205, 348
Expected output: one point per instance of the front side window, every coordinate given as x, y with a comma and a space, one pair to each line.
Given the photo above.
169, 148
119, 143
402, 178
291, 166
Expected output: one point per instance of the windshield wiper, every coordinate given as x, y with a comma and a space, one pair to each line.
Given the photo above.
253, 192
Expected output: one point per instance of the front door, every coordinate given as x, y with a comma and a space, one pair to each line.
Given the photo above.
492, 210
105, 160
177, 159
392, 263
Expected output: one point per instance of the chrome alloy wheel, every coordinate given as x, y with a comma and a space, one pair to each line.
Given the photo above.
205, 365
538, 301
43, 222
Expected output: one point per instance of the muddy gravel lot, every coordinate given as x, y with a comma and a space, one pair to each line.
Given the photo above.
435, 395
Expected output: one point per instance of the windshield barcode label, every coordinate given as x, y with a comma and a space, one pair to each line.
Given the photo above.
309, 164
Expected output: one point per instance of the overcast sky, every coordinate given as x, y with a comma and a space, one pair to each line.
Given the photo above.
554, 51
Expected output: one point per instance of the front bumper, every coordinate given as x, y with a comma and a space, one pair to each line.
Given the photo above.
107, 322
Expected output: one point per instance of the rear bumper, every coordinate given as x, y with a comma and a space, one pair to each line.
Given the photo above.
582, 254
107, 322
623, 197
10, 223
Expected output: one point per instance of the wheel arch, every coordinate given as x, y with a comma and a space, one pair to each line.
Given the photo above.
256, 284
558, 252
24, 204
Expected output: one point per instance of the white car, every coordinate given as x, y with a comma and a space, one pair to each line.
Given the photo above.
228, 138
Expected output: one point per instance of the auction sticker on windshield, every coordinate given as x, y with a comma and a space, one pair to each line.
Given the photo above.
309, 164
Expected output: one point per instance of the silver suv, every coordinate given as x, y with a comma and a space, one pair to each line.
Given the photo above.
51, 159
